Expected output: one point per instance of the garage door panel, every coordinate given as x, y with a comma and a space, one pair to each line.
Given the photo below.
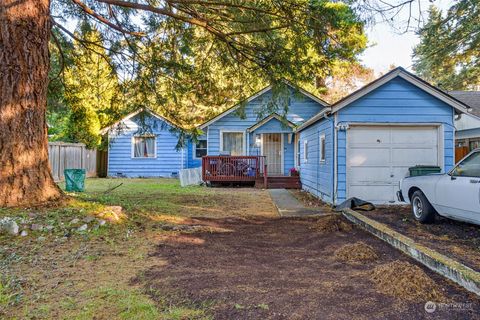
417, 135
374, 193
368, 156
369, 136
400, 173
370, 175
414, 156
379, 156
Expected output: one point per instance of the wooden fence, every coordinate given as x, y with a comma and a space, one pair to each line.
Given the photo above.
71, 156
460, 153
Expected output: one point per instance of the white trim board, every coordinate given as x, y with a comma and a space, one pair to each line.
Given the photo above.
268, 119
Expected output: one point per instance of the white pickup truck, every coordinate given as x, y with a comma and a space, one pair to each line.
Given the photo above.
454, 195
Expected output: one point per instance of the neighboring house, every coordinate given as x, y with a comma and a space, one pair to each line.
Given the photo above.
362, 145
468, 125
143, 144
148, 150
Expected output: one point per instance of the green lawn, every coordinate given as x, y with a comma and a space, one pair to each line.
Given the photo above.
64, 273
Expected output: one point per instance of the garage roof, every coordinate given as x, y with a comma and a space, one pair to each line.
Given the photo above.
444, 96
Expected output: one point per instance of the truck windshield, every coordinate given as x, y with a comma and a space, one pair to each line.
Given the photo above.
469, 167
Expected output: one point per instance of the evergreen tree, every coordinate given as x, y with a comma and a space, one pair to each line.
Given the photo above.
91, 85
448, 54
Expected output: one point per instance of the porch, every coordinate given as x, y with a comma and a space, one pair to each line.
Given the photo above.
244, 169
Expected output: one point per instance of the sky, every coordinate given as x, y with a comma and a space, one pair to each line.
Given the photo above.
388, 46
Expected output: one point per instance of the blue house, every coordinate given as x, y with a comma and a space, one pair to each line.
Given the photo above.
239, 132
364, 144
143, 144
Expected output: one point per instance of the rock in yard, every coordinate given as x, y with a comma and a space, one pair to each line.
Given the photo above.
41, 239
32, 215
8, 225
83, 228
49, 228
36, 227
24, 233
88, 219
75, 221
113, 213
101, 222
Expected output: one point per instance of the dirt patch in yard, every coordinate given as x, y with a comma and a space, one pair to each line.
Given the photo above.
407, 281
333, 223
282, 268
309, 200
458, 240
358, 252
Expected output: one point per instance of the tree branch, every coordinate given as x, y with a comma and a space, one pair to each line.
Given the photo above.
103, 20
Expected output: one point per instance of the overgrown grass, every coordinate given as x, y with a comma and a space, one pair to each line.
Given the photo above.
148, 195
53, 259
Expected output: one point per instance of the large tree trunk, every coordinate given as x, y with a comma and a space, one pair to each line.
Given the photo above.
25, 176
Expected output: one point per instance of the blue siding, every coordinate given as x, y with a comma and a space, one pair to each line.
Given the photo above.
191, 161
316, 176
301, 108
397, 101
274, 125
168, 159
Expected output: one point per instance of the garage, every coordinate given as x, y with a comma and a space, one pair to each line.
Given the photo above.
372, 136
378, 156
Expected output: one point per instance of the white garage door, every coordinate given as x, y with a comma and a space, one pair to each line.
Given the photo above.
379, 156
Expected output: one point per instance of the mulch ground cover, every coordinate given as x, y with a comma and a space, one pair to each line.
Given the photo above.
458, 240
286, 268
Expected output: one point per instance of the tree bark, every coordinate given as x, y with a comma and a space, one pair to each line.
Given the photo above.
25, 175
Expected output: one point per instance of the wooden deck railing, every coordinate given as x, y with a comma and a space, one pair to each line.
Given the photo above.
233, 168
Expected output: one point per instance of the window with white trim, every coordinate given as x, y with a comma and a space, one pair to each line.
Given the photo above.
232, 142
305, 150
200, 148
144, 146
321, 148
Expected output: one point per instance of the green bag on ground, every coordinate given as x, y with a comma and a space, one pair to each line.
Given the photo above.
74, 180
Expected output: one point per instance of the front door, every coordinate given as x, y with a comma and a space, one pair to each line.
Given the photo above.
273, 150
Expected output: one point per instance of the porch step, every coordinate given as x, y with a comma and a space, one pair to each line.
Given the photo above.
280, 182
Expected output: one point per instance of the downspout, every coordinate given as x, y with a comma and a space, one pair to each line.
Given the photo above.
335, 155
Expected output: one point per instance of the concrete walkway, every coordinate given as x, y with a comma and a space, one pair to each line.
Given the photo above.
288, 206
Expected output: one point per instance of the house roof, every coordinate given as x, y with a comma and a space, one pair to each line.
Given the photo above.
455, 103
267, 119
470, 98
133, 114
256, 95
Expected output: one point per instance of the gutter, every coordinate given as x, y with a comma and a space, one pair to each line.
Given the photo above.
314, 119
